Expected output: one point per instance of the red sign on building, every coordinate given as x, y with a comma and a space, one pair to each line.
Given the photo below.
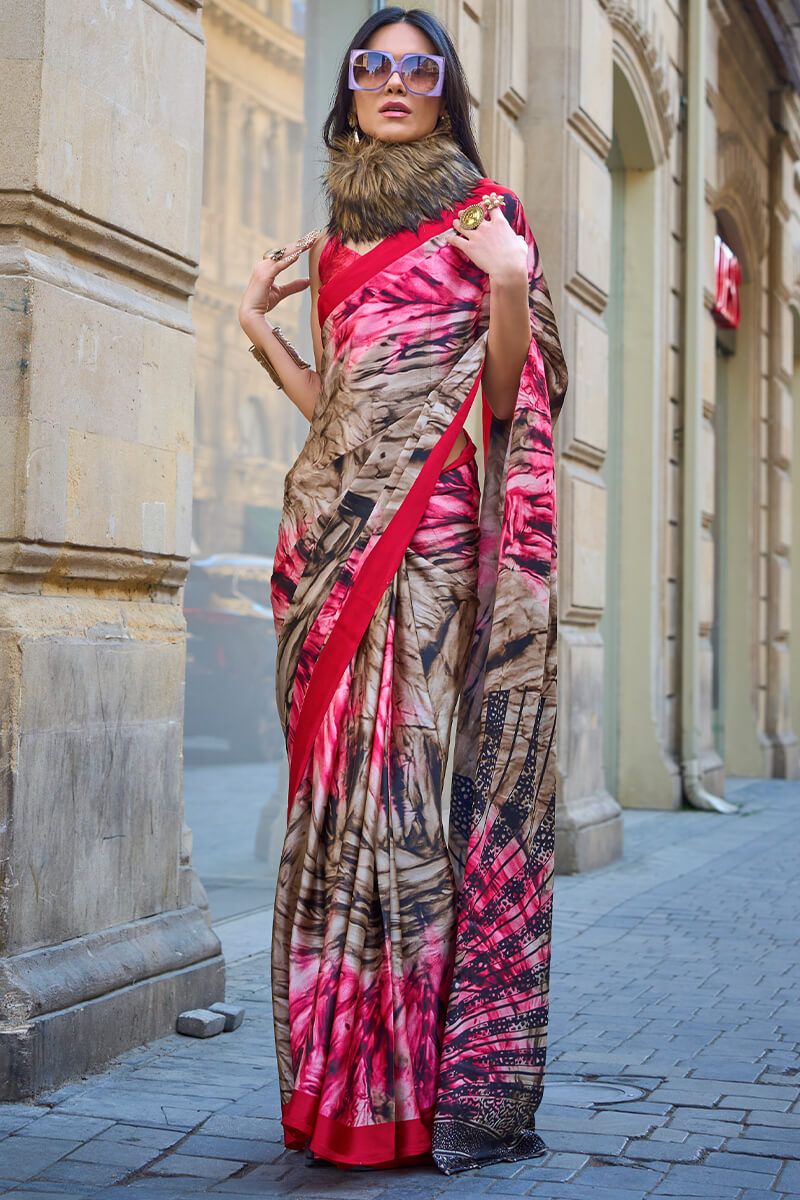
727, 309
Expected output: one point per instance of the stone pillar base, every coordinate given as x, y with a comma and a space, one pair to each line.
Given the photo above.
67, 1009
785, 756
589, 833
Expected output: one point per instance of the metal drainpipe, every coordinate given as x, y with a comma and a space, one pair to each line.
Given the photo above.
695, 317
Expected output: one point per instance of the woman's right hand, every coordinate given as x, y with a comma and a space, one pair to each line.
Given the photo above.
262, 293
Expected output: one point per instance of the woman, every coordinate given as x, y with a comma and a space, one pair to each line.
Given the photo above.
410, 972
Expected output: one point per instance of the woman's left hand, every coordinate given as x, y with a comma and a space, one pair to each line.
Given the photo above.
493, 246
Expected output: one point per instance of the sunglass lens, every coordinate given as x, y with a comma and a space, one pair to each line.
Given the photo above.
421, 73
371, 69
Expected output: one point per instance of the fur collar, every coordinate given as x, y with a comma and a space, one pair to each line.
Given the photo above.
376, 188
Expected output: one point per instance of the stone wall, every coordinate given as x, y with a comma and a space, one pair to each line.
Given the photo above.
103, 934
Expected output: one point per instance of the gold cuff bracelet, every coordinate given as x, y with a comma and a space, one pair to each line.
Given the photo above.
267, 363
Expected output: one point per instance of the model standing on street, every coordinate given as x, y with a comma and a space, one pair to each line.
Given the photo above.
410, 971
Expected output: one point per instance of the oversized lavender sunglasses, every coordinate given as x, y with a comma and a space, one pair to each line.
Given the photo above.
422, 74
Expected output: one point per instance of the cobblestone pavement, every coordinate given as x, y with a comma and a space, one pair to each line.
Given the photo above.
675, 981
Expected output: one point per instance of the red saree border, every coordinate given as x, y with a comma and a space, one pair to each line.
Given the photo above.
388, 1144
364, 266
362, 599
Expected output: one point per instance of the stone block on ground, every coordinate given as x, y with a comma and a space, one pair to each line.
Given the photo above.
200, 1023
233, 1014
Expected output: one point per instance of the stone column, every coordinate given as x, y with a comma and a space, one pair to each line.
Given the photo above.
104, 933
567, 128
785, 150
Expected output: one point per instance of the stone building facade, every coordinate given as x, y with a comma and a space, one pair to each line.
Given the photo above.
636, 133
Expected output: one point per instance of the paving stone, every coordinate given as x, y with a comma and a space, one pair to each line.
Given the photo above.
62, 1125
760, 1091
789, 1178
626, 1178
133, 1112
169, 1082
23, 1110
121, 1154
776, 1120
142, 1135
221, 1125
579, 1141
789, 1137
185, 1164
704, 1125
70, 1170
630, 1123
675, 1152
576, 1191
733, 1161
70, 1189
25, 1193
753, 1104
729, 1181
558, 1160
25, 1157
252, 1150
156, 1188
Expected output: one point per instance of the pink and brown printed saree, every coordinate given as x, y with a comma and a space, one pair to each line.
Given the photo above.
410, 971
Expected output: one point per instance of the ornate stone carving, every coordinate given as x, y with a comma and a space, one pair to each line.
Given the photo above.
741, 188
638, 24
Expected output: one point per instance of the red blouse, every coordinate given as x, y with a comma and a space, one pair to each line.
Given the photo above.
335, 257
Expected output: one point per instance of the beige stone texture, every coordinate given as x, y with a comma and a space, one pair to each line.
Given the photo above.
20, 100
586, 418
592, 261
120, 124
594, 66
706, 583
92, 703
708, 470
582, 499
581, 702
97, 266
781, 510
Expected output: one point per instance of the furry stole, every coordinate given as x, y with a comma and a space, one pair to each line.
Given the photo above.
376, 188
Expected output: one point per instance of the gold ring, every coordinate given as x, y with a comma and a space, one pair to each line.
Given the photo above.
471, 217
276, 255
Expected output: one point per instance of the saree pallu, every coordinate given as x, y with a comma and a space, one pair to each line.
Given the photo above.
410, 970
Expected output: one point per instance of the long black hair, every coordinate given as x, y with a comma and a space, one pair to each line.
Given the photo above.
455, 93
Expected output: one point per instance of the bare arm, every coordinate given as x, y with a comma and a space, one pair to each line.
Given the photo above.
301, 384
508, 341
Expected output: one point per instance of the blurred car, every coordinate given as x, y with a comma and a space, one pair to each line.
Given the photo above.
230, 655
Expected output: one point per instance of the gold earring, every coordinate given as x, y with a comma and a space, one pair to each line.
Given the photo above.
444, 123
352, 121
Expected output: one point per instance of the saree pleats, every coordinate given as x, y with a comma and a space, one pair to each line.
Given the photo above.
365, 919
409, 969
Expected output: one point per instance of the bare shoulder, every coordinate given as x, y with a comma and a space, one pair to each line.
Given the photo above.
316, 249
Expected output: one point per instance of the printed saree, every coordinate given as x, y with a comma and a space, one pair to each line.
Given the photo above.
410, 970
